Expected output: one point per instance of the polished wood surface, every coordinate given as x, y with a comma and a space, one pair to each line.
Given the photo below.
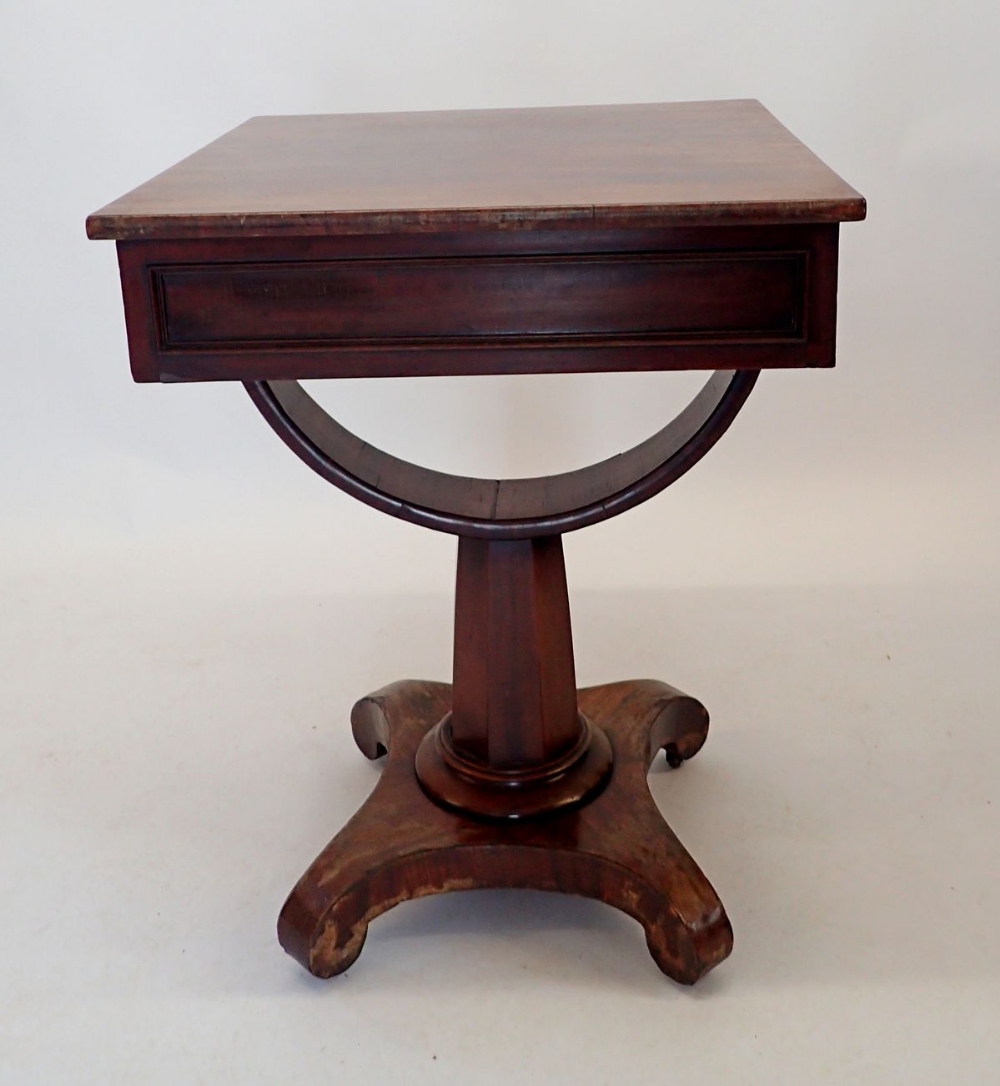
621, 166
695, 235
656, 296
502, 508
504, 591
514, 744
617, 848
474, 303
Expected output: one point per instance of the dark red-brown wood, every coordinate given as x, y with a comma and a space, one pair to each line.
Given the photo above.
502, 508
682, 236
512, 634
621, 166
514, 744
388, 303
426, 305
617, 848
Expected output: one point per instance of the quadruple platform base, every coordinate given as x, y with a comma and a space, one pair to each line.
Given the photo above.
615, 847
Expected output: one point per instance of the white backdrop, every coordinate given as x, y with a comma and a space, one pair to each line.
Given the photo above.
162, 554
885, 465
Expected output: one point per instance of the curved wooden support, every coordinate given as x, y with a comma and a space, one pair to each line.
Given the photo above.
502, 508
617, 848
521, 782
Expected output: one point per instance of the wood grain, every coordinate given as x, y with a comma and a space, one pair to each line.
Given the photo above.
284, 308
722, 163
617, 848
471, 302
515, 744
692, 235
502, 508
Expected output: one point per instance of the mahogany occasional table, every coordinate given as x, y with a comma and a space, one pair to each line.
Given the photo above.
699, 235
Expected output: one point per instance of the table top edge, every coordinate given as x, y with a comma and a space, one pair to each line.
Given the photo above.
106, 225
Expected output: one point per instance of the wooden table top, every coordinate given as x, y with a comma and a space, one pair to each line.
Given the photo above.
692, 163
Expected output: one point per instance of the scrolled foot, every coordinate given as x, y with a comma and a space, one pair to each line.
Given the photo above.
326, 948
681, 724
617, 848
372, 716
669, 719
688, 960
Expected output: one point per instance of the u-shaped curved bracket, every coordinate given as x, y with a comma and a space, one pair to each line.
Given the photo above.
502, 508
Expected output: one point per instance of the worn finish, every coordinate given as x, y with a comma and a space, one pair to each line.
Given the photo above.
617, 848
687, 236
628, 166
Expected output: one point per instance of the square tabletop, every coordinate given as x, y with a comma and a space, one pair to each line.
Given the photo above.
722, 163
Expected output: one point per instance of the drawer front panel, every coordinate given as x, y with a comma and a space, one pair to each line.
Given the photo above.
653, 298
249, 309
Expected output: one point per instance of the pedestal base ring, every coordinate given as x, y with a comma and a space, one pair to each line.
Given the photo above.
617, 848
477, 788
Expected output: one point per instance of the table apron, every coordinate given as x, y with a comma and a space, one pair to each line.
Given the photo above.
222, 310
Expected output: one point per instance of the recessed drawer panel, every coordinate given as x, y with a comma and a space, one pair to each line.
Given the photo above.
250, 309
508, 301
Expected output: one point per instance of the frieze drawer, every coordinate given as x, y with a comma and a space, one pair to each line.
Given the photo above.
359, 315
